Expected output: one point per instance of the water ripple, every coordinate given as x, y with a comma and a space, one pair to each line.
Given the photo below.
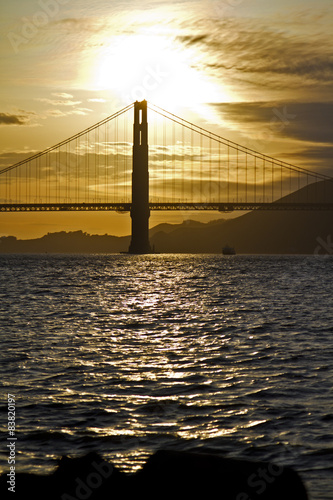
125, 354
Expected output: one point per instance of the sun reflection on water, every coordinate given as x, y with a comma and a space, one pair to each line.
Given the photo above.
150, 358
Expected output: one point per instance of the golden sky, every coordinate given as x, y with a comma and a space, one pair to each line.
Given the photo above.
253, 71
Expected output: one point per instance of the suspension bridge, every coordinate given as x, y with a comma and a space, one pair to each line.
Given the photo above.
175, 165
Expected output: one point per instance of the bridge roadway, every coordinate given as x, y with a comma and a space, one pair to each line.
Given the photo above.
126, 207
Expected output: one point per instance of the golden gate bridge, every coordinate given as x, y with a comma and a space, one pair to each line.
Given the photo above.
175, 165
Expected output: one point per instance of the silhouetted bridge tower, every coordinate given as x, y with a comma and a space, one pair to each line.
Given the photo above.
140, 211
105, 167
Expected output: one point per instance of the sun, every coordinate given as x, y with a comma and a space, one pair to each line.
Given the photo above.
153, 67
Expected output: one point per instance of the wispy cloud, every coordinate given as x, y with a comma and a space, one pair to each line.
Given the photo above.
249, 52
81, 111
313, 157
97, 100
63, 95
58, 113
65, 105
57, 102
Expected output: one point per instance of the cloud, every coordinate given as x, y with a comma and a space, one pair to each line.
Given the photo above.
11, 157
263, 56
192, 39
97, 100
57, 113
314, 157
87, 24
6, 119
81, 111
63, 107
63, 95
56, 102
303, 121
305, 127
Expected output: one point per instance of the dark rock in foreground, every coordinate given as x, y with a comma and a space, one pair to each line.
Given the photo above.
167, 474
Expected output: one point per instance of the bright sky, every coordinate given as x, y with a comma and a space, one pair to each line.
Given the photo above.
257, 72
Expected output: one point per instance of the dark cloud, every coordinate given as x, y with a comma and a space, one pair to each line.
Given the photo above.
314, 157
6, 119
192, 40
305, 121
325, 152
312, 68
87, 24
309, 123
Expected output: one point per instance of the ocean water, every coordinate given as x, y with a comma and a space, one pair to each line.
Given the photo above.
125, 355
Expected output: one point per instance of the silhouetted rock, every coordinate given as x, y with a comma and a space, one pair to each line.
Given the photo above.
167, 474
199, 475
86, 477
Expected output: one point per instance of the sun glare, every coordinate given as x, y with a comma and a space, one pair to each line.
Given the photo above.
155, 68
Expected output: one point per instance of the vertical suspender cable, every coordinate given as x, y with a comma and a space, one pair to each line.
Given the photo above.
245, 177
255, 179
173, 162
183, 156
237, 175
281, 173
16, 185
219, 167
76, 160
228, 184
124, 150
164, 160
117, 163
95, 150
192, 164
88, 168
201, 166
106, 162
210, 169
263, 180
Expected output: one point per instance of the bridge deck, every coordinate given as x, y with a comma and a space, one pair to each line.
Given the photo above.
126, 207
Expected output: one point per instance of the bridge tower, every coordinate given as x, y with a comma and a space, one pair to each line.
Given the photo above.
140, 212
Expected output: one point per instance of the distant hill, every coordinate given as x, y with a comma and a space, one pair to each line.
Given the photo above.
62, 242
257, 232
168, 228
260, 231
322, 190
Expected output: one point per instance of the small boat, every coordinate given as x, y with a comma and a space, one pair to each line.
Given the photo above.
228, 250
